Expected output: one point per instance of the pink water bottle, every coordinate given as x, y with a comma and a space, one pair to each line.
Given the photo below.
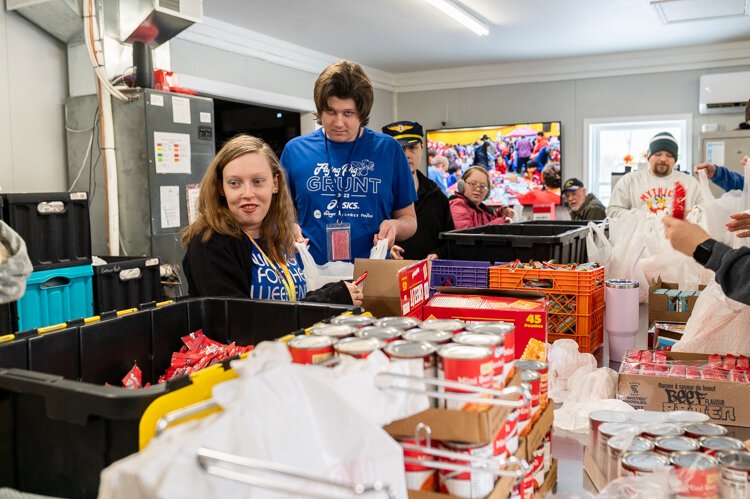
621, 316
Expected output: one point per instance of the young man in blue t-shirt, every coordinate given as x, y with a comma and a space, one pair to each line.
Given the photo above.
351, 186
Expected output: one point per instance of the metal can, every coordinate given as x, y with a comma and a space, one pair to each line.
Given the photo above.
534, 379
699, 430
359, 348
403, 349
499, 443
505, 329
608, 430
511, 429
734, 468
648, 417
308, 349
698, 473
418, 477
467, 484
642, 463
432, 335
543, 369
353, 320
656, 430
386, 334
537, 466
668, 445
687, 417
524, 411
336, 331
494, 343
449, 325
467, 364
617, 446
403, 323
596, 418
715, 445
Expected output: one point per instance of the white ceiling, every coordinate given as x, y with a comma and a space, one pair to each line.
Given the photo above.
404, 36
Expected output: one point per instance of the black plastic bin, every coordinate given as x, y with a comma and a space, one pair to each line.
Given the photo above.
60, 426
55, 226
508, 242
126, 282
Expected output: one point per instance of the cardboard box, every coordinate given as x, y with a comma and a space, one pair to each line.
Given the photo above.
725, 402
457, 426
530, 442
667, 304
592, 470
381, 288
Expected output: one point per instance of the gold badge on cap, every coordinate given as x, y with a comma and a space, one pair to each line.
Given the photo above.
401, 128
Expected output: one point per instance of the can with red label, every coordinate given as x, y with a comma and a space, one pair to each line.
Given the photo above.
524, 411
534, 379
403, 349
642, 463
353, 320
386, 334
700, 430
419, 477
617, 446
499, 443
358, 348
335, 331
537, 466
715, 445
308, 349
698, 474
607, 431
505, 329
668, 445
467, 484
542, 368
511, 431
596, 418
432, 335
449, 325
402, 323
523, 488
468, 364
495, 344
656, 430
734, 468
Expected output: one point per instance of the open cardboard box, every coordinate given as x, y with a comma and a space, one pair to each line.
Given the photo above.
592, 470
504, 485
725, 402
660, 309
381, 288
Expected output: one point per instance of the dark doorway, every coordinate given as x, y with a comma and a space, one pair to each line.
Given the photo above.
275, 126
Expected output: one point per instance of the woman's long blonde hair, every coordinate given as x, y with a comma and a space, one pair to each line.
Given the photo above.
277, 228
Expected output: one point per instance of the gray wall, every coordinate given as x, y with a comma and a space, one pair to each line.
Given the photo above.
570, 102
33, 87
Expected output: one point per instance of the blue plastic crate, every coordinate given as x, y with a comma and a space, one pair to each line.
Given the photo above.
459, 274
56, 295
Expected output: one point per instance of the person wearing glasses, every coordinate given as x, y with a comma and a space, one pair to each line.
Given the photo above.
467, 206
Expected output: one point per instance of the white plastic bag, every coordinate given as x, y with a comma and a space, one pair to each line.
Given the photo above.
380, 250
318, 276
598, 247
565, 361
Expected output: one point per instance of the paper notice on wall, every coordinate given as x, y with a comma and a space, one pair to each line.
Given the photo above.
715, 152
181, 110
192, 191
169, 199
172, 152
205, 117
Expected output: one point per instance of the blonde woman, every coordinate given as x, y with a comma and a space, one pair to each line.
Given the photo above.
242, 243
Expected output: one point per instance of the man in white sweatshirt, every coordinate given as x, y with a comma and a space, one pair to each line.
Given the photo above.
653, 189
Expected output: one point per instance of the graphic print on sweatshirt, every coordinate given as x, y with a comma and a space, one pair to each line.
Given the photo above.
657, 199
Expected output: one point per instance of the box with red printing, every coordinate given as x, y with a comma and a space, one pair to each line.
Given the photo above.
527, 310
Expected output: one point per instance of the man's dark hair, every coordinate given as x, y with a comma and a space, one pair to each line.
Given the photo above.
345, 80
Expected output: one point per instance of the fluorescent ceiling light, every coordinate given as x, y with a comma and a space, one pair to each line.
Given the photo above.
450, 8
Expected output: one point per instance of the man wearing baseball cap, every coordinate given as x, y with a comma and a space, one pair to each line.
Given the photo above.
433, 212
582, 204
653, 188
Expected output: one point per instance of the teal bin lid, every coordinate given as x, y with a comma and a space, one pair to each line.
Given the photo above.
73, 272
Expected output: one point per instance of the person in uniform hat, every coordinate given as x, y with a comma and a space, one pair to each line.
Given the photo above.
433, 212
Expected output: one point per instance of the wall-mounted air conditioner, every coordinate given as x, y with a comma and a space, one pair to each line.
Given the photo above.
724, 93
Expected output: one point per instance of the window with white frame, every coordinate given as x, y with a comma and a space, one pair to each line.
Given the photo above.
617, 145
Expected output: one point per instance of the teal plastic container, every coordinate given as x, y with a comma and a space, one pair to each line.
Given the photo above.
56, 295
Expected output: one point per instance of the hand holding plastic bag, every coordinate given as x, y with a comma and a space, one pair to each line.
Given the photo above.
318, 276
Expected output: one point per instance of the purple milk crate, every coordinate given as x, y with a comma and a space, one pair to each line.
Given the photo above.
459, 274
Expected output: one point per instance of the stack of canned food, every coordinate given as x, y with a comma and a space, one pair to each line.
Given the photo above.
707, 462
477, 484
716, 367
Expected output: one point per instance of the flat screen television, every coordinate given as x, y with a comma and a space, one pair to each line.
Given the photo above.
507, 151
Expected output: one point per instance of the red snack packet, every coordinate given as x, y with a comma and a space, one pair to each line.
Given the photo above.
738, 376
134, 379
678, 371
678, 202
660, 357
729, 363
692, 372
743, 363
646, 356
714, 360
